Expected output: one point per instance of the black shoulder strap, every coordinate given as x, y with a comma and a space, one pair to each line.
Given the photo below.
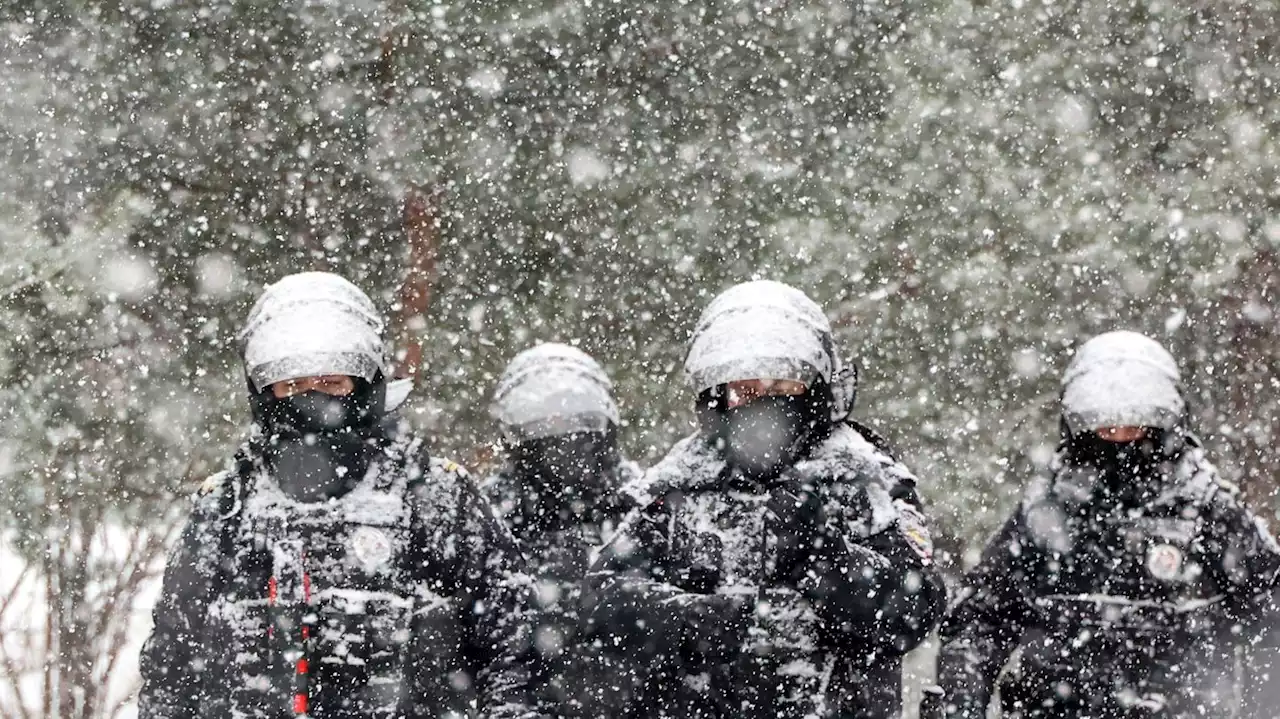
876, 439
230, 502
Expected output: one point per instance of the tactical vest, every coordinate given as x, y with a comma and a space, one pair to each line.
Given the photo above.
1126, 611
318, 606
575, 677
721, 542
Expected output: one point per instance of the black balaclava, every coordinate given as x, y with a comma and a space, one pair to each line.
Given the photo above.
318, 446
568, 475
762, 438
1123, 379
1130, 472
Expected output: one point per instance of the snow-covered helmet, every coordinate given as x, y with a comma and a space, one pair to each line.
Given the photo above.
766, 329
1122, 379
315, 324
312, 323
553, 389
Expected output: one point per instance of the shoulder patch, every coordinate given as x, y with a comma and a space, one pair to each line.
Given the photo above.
449, 466
915, 530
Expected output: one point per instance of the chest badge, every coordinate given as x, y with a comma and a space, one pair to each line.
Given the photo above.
372, 547
1164, 561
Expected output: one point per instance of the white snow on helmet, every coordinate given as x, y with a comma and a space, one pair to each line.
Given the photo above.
1122, 379
765, 330
553, 389
312, 323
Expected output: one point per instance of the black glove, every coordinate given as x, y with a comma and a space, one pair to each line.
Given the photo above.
848, 585
797, 520
716, 627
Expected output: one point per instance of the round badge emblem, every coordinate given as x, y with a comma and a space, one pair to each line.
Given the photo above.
1164, 561
371, 546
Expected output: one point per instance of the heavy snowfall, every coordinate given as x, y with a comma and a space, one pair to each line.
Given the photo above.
968, 190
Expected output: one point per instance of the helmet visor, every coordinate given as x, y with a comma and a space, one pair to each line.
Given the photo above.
756, 343
1121, 393
315, 339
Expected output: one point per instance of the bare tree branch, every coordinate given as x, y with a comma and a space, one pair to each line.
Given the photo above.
118, 707
11, 292
50, 629
191, 186
140, 571
10, 673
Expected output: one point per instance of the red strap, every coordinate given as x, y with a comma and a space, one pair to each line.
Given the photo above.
300, 699
271, 600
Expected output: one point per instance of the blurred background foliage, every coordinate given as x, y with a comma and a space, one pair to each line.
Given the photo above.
969, 188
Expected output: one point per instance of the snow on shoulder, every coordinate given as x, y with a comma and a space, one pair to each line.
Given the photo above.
858, 478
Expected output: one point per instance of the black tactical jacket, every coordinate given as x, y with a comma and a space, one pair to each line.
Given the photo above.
391, 594
559, 529
796, 598
1118, 609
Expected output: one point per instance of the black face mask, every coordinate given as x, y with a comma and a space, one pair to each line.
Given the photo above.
565, 479
318, 445
765, 436
567, 460
316, 413
1127, 470
318, 467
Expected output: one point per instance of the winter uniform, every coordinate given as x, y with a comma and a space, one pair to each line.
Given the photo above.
1127, 579
559, 492
405, 573
1261, 691
336, 569
767, 578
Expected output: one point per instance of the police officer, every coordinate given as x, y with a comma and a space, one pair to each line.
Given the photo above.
1128, 577
335, 569
780, 564
558, 491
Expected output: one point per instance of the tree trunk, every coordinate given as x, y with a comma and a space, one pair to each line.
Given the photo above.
1253, 360
421, 222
